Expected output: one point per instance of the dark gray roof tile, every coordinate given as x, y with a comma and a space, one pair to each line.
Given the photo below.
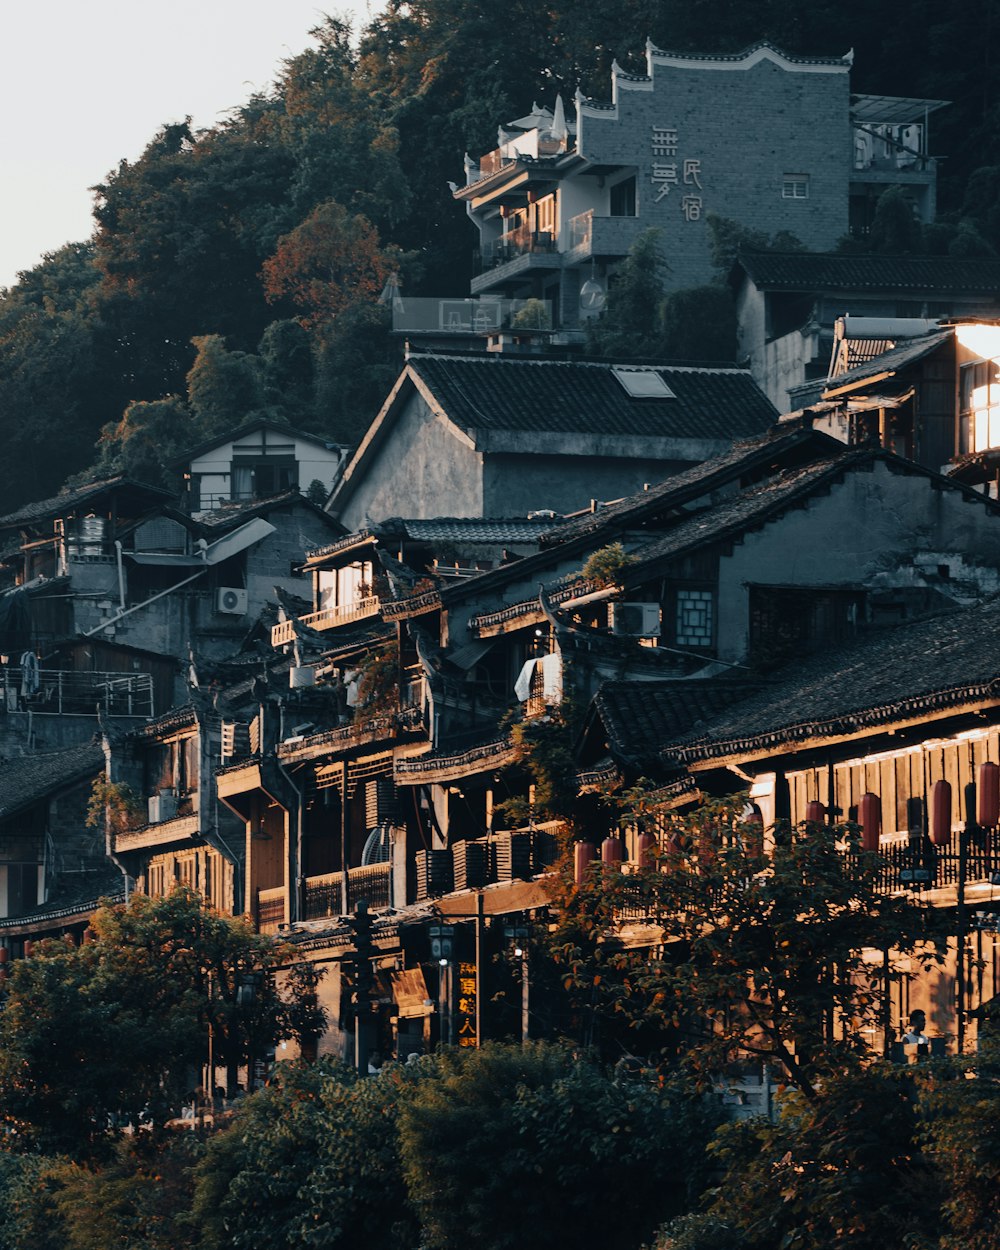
496, 393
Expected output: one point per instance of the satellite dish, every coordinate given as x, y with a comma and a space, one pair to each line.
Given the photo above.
592, 295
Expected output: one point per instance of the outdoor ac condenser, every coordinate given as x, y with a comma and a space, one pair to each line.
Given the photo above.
232, 600
635, 620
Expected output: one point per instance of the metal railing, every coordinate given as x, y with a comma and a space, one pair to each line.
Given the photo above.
57, 692
326, 618
521, 241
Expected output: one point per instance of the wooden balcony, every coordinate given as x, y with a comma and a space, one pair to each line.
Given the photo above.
271, 909
326, 618
324, 895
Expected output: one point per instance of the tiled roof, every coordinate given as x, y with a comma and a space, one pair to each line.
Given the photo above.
744, 457
59, 505
639, 717
241, 431
747, 52
906, 353
233, 514
890, 674
732, 516
25, 779
810, 271
478, 530
496, 393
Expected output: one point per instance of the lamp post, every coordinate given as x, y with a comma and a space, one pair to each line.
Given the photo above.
517, 936
442, 941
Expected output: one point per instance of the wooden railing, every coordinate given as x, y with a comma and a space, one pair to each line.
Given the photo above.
326, 618
372, 882
270, 909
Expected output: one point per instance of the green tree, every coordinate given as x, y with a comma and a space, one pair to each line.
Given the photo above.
632, 323
961, 1113
526, 1146
311, 1160
224, 387
108, 1034
846, 1173
139, 1198
700, 324
763, 954
896, 229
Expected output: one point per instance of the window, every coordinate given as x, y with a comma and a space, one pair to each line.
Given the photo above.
979, 406
795, 187
258, 479
622, 198
693, 618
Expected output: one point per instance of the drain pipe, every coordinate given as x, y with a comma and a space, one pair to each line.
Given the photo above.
145, 603
121, 575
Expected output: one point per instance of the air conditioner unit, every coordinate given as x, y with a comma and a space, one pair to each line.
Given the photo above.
231, 599
161, 807
636, 620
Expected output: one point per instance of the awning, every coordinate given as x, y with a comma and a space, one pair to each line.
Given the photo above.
162, 558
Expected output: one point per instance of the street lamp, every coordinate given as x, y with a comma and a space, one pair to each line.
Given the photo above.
442, 938
517, 936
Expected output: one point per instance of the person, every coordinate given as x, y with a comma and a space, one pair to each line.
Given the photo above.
914, 1035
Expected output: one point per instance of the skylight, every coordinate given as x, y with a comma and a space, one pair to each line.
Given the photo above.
643, 383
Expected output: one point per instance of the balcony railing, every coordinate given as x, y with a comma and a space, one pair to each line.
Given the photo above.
372, 882
270, 909
326, 618
57, 693
521, 241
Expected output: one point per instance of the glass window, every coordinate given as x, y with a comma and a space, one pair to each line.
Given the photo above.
694, 618
795, 187
979, 404
622, 198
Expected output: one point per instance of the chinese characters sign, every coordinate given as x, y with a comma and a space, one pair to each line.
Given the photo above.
682, 175
466, 1017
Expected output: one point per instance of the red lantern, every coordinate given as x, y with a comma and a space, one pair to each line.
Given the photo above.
988, 795
645, 849
753, 829
941, 813
870, 820
612, 853
815, 813
583, 857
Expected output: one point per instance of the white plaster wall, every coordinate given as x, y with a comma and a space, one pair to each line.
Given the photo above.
423, 469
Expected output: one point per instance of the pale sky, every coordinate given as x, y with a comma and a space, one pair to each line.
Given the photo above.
87, 83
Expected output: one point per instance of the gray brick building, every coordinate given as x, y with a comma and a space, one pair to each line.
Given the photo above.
762, 138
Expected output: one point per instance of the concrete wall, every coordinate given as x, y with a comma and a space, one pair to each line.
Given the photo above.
423, 469
749, 124
518, 484
880, 530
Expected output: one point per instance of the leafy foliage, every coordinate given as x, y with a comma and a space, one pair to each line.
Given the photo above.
311, 1160
158, 976
763, 948
561, 1139
606, 565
